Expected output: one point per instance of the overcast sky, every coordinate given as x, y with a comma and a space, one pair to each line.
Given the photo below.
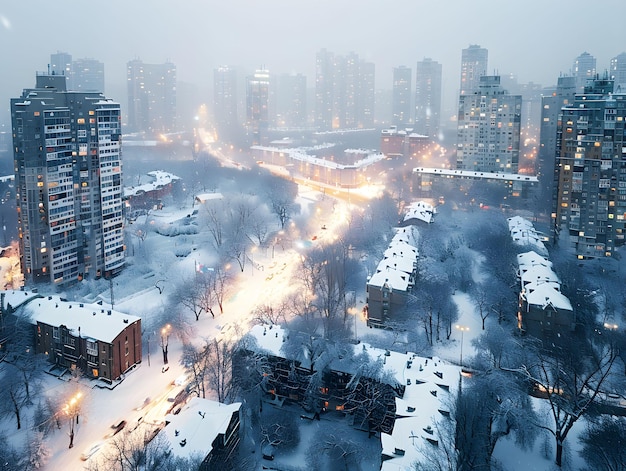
534, 39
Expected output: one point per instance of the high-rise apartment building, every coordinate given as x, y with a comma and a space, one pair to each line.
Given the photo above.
473, 66
551, 105
488, 138
345, 94
68, 176
618, 72
428, 98
401, 96
87, 75
151, 97
225, 98
589, 205
584, 68
61, 64
81, 74
291, 101
257, 104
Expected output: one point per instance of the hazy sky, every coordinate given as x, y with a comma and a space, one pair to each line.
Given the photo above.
533, 39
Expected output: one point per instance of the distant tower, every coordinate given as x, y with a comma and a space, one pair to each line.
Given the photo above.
473, 66
489, 120
225, 98
428, 98
257, 104
584, 69
588, 202
401, 96
618, 72
61, 64
87, 75
151, 97
291, 101
551, 105
68, 178
345, 92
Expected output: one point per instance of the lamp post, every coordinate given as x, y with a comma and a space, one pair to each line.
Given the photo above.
463, 329
71, 409
165, 337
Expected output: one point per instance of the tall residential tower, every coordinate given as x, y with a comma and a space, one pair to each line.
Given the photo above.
473, 66
428, 98
489, 120
68, 174
589, 205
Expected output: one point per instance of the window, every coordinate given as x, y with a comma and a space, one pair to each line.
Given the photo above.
55, 333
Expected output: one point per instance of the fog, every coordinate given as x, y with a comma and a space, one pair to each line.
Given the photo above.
534, 40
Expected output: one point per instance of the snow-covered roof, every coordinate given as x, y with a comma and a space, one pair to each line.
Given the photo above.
528, 259
300, 154
401, 249
523, 233
408, 235
545, 295
476, 174
396, 279
159, 178
192, 431
204, 197
90, 320
397, 262
539, 274
431, 385
421, 211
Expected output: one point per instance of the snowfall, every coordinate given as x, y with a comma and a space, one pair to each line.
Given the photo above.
143, 393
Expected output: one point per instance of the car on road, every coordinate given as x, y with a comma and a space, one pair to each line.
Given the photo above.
118, 427
92, 450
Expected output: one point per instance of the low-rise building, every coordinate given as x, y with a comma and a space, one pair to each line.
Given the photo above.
204, 428
409, 403
389, 287
102, 342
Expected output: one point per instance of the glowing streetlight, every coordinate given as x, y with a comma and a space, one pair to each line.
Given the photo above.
463, 329
72, 409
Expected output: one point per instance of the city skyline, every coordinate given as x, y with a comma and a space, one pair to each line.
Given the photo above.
285, 39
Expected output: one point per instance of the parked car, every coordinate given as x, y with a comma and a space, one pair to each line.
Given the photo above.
118, 427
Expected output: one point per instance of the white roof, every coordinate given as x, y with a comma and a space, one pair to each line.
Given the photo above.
88, 320
476, 174
396, 279
539, 274
405, 264
545, 295
193, 429
203, 197
401, 249
532, 258
159, 178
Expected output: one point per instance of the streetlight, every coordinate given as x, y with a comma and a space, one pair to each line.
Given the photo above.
72, 409
165, 337
463, 329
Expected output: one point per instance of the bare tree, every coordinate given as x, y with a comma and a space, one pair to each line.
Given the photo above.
280, 428
603, 444
480, 297
570, 379
268, 314
219, 374
189, 294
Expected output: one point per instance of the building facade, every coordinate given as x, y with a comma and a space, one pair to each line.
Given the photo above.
551, 105
584, 68
589, 203
489, 120
291, 101
151, 97
345, 94
401, 96
68, 173
258, 104
428, 98
103, 343
473, 66
618, 72
87, 75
